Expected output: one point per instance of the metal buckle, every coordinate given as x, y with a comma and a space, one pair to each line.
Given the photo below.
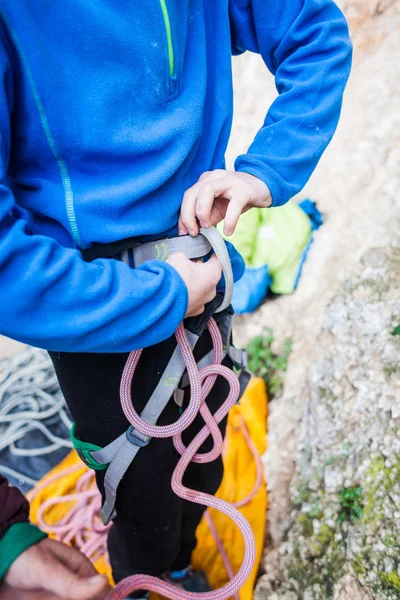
238, 356
244, 358
133, 437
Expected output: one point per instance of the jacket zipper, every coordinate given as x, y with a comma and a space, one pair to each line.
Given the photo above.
171, 56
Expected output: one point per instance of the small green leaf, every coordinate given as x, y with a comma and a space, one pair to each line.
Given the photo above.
396, 330
265, 363
351, 506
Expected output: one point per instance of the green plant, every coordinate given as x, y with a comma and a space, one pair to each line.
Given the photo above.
396, 330
265, 363
390, 580
351, 507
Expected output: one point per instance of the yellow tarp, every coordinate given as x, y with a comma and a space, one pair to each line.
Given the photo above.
238, 481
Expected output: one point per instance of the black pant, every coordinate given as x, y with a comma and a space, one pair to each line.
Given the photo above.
154, 529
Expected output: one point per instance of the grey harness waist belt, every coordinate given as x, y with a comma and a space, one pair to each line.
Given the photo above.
192, 247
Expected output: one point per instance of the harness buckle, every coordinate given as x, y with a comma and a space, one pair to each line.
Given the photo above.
84, 451
238, 356
134, 438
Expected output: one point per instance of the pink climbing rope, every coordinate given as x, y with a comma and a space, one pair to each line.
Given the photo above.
201, 382
239, 503
82, 524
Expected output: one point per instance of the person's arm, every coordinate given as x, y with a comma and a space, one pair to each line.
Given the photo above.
16, 533
51, 298
306, 45
28, 557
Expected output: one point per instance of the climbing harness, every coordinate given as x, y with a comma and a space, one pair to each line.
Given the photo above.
116, 457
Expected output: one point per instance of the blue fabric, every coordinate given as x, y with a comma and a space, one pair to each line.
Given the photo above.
302, 261
238, 266
316, 220
99, 142
311, 210
251, 289
179, 575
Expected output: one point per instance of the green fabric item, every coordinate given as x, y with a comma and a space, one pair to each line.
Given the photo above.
167, 23
275, 237
18, 538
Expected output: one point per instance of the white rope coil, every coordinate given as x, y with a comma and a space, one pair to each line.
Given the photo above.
30, 400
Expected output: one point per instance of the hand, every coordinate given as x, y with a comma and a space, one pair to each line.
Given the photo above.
200, 279
59, 570
11, 593
221, 195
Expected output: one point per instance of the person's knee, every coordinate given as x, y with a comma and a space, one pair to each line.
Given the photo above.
147, 550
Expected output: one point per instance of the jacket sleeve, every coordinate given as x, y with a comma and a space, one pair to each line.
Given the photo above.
306, 46
16, 533
51, 298
14, 507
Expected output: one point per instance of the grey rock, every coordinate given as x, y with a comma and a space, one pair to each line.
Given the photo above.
342, 538
349, 589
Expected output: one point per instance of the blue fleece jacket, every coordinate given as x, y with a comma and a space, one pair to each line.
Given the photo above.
109, 111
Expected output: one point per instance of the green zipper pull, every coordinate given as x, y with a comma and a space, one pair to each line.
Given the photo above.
167, 24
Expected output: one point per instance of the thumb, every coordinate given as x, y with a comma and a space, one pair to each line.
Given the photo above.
70, 586
214, 268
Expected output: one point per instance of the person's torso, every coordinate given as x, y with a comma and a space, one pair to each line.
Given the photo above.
118, 108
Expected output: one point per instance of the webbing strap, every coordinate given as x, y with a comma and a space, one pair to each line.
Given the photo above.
240, 361
105, 455
218, 245
115, 472
167, 384
237, 355
192, 247
203, 362
121, 452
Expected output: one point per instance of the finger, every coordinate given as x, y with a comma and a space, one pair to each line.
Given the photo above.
216, 174
218, 210
206, 196
103, 593
181, 228
7, 592
233, 212
68, 585
214, 270
187, 221
198, 312
188, 210
205, 175
73, 559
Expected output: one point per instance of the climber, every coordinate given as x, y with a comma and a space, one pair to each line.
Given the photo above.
115, 119
27, 557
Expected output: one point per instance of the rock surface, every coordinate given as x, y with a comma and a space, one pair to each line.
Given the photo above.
345, 496
356, 185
